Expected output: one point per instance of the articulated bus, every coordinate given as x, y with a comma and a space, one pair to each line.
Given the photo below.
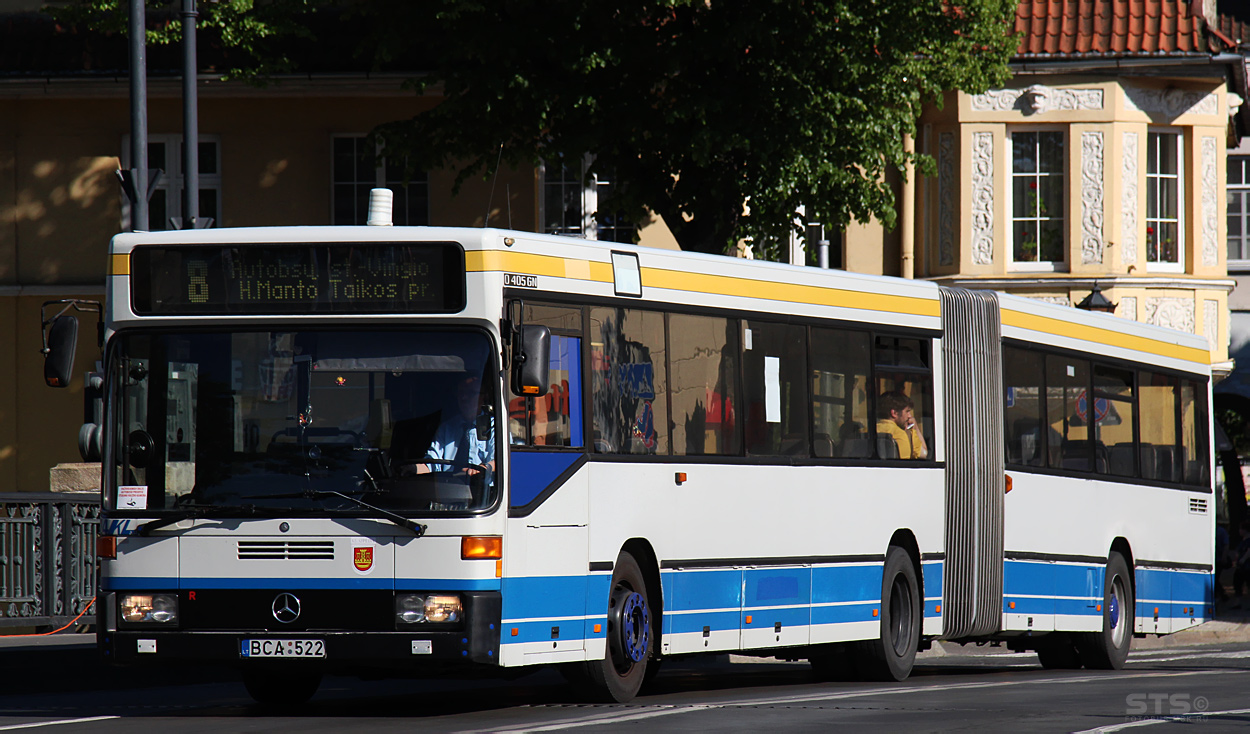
434, 451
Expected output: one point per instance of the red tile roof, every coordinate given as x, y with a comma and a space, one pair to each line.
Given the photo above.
1120, 28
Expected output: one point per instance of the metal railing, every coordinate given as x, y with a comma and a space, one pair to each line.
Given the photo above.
47, 557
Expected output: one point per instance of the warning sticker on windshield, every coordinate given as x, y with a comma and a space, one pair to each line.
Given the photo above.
132, 498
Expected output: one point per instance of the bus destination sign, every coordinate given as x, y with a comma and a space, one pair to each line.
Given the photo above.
294, 279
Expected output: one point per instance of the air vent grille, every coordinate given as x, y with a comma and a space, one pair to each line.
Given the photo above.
1197, 506
286, 550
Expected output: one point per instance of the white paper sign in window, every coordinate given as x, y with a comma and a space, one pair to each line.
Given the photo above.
772, 389
625, 272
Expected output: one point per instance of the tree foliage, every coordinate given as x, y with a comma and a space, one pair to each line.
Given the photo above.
722, 116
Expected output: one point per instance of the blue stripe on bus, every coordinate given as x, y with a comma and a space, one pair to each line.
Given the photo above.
846, 583
447, 584
144, 583
1039, 587
860, 611
550, 597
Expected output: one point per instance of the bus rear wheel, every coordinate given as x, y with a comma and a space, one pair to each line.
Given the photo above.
891, 656
620, 674
1108, 649
277, 688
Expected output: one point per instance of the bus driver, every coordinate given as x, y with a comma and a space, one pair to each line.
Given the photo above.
457, 446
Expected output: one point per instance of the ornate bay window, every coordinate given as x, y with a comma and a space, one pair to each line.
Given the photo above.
1164, 189
1038, 193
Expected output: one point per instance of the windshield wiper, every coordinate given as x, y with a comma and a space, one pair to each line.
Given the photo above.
417, 528
195, 513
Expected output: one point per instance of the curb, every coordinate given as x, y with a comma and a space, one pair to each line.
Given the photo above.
1215, 632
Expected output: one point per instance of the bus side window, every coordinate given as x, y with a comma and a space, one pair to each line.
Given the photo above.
904, 380
1067, 393
628, 380
704, 358
774, 362
840, 400
1023, 419
1193, 434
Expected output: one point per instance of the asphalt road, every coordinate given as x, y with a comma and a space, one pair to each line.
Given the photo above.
56, 685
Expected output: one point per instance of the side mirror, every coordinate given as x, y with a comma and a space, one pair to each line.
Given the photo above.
530, 361
58, 357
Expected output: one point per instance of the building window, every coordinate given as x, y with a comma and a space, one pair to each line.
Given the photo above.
165, 206
1239, 210
1163, 197
1038, 193
358, 168
570, 204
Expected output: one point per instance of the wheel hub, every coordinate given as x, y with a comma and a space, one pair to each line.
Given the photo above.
630, 627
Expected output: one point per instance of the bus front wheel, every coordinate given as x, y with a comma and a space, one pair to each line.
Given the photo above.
891, 656
618, 676
1108, 649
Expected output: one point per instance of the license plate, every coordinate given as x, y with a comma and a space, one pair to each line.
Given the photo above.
283, 649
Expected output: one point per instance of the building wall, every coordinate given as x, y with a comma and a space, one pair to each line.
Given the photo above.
964, 232
60, 203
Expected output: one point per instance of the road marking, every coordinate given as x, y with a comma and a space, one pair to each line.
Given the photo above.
647, 712
1196, 656
38, 724
1198, 717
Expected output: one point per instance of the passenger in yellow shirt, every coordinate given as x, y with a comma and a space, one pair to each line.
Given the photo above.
897, 419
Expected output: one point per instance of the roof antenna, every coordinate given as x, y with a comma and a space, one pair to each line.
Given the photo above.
493, 179
507, 189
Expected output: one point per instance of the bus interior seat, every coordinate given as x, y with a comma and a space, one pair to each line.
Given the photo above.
1159, 462
411, 438
1120, 459
1079, 456
887, 448
855, 448
1025, 443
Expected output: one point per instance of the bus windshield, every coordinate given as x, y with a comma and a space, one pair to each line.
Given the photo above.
281, 422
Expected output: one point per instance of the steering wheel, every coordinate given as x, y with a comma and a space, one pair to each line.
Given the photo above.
409, 468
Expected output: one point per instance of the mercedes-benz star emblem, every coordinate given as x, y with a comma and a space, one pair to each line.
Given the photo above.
286, 607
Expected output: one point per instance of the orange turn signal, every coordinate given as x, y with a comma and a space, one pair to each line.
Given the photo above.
106, 546
1008, 483
481, 546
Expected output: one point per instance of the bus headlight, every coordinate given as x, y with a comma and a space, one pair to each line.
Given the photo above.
432, 608
149, 608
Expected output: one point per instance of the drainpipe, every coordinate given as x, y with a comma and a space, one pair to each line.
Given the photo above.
907, 218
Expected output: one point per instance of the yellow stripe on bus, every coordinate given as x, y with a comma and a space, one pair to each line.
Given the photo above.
1097, 335
484, 261
788, 292
478, 261
119, 265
